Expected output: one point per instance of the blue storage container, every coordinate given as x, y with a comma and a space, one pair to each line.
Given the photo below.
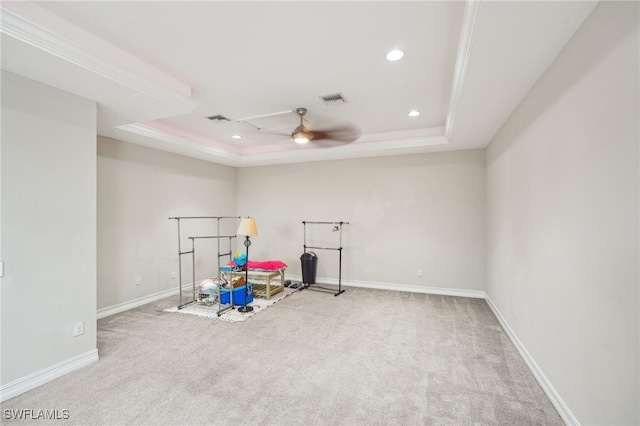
238, 295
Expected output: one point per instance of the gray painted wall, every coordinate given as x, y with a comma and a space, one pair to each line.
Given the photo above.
562, 219
48, 226
406, 213
138, 190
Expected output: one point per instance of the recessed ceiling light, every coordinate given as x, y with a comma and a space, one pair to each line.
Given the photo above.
394, 55
237, 136
413, 113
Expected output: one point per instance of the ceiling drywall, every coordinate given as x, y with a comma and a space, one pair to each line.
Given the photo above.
158, 69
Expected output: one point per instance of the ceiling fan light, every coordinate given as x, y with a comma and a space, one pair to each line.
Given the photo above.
301, 135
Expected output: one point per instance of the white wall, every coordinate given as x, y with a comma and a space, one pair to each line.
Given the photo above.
139, 188
405, 212
562, 220
48, 227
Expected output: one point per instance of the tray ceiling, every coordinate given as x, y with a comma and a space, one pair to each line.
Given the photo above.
159, 69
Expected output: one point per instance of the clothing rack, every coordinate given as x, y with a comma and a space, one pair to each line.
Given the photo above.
181, 253
335, 225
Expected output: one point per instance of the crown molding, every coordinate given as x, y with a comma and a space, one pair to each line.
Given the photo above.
212, 153
397, 146
462, 60
354, 150
23, 30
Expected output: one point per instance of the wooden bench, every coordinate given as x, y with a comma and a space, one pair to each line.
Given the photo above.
265, 290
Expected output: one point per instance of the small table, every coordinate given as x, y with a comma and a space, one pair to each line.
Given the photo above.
264, 290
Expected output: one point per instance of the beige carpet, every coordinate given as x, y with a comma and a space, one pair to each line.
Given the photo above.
364, 357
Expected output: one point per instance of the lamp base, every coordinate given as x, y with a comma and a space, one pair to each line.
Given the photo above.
245, 309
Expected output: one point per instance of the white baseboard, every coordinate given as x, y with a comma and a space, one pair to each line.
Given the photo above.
41, 377
397, 287
125, 306
558, 403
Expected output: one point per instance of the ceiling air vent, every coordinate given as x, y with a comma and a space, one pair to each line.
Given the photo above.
334, 99
218, 118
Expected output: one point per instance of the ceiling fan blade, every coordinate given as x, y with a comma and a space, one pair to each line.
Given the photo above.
336, 136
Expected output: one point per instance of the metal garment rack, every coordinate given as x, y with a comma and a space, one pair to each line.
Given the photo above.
217, 237
335, 225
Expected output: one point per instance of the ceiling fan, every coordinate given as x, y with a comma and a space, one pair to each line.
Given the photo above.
325, 138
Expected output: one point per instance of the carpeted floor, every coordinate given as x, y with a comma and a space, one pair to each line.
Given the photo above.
364, 357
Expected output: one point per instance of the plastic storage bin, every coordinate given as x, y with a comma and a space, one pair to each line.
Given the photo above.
238, 295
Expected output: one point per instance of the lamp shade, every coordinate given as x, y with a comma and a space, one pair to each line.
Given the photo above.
248, 227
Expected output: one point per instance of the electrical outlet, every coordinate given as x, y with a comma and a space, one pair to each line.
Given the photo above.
419, 272
78, 329
173, 275
515, 312
139, 281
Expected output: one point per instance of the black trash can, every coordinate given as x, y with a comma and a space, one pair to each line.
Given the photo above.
309, 262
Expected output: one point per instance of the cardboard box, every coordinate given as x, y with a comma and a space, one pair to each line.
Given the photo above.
238, 281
